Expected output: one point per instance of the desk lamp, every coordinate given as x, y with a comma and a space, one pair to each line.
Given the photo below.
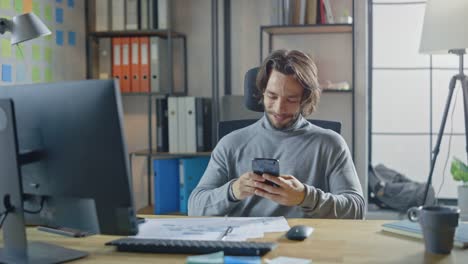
445, 31
23, 27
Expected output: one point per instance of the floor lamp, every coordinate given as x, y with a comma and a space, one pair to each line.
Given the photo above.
445, 30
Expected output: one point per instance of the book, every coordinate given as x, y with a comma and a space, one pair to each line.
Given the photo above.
412, 229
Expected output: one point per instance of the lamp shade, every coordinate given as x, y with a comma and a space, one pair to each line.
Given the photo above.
445, 26
27, 26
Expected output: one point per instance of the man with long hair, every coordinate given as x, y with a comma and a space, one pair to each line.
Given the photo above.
318, 178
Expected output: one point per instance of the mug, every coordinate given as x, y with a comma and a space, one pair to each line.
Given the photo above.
438, 225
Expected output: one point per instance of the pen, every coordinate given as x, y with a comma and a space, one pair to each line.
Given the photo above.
226, 233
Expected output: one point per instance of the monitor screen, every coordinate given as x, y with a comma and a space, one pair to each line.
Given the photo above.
82, 178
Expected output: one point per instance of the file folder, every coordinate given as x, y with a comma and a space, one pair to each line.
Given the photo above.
131, 15
190, 172
105, 60
144, 65
166, 186
117, 60
102, 16
162, 137
172, 107
182, 124
118, 15
126, 70
144, 14
135, 65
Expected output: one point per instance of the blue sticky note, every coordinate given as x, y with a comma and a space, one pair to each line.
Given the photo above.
20, 72
6, 72
71, 38
58, 1
71, 3
59, 15
59, 37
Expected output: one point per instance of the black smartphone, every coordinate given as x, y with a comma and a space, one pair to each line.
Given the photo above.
264, 165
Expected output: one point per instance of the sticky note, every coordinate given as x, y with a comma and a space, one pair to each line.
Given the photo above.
242, 260
59, 15
36, 74
36, 8
36, 52
6, 72
6, 48
71, 38
48, 12
59, 37
5, 4
27, 6
71, 3
48, 75
20, 72
58, 1
19, 52
48, 54
19, 6
48, 37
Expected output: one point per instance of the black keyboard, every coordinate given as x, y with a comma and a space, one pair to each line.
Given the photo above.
232, 248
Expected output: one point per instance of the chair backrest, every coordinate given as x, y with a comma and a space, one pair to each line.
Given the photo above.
226, 127
252, 102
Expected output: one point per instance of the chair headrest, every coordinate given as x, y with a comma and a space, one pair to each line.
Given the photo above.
251, 93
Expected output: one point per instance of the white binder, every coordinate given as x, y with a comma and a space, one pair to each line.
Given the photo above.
105, 62
144, 12
182, 123
159, 75
173, 120
102, 15
118, 15
190, 130
131, 15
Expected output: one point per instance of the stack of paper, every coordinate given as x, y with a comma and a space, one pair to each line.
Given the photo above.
211, 228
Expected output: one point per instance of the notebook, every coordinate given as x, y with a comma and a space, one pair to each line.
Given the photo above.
412, 229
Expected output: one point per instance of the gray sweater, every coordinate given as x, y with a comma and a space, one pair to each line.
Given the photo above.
317, 157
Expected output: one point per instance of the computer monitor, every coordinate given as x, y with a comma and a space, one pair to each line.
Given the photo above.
63, 155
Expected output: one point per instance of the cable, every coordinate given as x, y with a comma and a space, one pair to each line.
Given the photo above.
38, 210
4, 216
449, 145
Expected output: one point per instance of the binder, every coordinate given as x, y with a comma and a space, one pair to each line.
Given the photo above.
144, 14
126, 70
190, 172
118, 15
159, 65
117, 60
182, 110
131, 15
197, 124
144, 65
135, 83
166, 186
163, 10
328, 12
311, 14
153, 14
105, 60
162, 137
102, 16
172, 109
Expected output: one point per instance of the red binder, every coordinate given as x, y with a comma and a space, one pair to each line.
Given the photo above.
126, 70
135, 81
117, 61
144, 65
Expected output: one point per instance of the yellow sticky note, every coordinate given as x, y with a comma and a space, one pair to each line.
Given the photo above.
6, 48
36, 52
48, 54
37, 8
19, 6
48, 75
5, 4
48, 12
27, 6
19, 52
36, 74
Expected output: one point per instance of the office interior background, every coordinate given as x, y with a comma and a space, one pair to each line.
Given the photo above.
391, 115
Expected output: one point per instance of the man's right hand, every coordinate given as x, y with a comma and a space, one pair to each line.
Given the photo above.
245, 185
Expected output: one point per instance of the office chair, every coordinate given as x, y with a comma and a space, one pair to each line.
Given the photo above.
251, 95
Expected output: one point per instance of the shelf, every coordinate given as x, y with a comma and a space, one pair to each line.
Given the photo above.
145, 94
336, 91
309, 29
134, 33
167, 155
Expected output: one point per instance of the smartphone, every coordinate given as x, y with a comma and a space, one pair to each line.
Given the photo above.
264, 165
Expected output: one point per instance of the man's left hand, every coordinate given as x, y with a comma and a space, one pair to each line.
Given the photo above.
290, 192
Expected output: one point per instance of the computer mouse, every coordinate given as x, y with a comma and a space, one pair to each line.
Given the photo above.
299, 232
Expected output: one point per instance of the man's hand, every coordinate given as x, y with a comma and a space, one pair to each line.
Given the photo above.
245, 185
290, 192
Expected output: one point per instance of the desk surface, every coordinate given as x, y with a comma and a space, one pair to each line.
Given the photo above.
333, 241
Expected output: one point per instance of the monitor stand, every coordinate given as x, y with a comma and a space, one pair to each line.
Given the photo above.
16, 248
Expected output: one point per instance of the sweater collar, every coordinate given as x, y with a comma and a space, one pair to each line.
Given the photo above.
298, 124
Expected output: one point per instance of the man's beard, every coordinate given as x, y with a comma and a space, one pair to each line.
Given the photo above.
287, 125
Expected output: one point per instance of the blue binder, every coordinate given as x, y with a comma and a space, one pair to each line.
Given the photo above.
191, 171
166, 186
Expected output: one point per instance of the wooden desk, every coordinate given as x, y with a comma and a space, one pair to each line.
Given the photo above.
333, 241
